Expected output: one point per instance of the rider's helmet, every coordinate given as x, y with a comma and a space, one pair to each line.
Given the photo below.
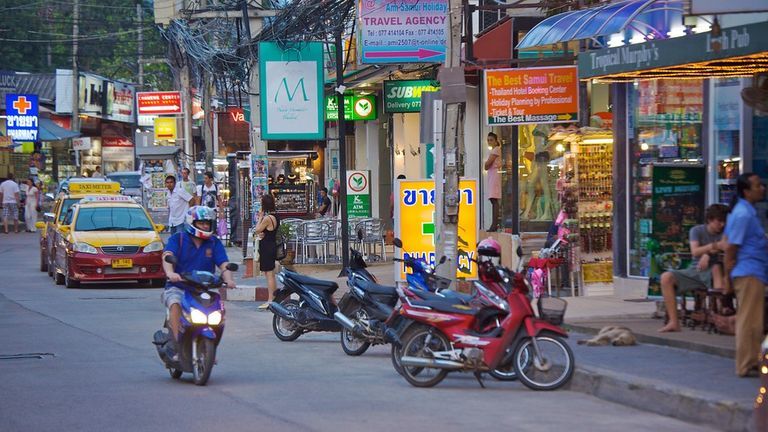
196, 214
489, 248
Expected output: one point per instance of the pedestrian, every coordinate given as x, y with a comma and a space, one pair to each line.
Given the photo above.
746, 269
10, 197
186, 183
325, 202
179, 202
208, 192
266, 230
31, 207
97, 172
493, 181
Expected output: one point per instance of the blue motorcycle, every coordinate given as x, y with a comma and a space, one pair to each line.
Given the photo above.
202, 326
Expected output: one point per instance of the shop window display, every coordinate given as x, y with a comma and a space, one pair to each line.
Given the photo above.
538, 172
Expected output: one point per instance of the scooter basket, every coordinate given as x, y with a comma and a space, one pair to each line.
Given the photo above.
552, 309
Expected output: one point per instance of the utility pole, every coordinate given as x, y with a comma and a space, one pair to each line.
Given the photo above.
453, 93
139, 22
342, 151
75, 73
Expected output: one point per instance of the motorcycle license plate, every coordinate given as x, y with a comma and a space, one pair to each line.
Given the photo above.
122, 263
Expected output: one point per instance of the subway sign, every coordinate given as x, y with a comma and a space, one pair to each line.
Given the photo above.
356, 107
405, 96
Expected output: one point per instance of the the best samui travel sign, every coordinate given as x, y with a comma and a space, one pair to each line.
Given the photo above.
403, 31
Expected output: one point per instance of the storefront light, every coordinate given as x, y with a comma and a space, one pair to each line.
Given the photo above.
560, 148
676, 32
644, 146
597, 141
616, 40
637, 39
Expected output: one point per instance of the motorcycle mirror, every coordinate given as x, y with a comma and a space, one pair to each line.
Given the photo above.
232, 267
398, 243
520, 251
171, 259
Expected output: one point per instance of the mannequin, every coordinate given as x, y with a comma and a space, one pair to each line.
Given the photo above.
539, 177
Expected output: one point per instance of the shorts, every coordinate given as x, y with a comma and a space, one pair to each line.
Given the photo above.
692, 279
10, 211
172, 295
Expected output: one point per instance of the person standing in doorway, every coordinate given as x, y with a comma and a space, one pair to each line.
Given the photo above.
746, 270
31, 207
179, 202
492, 165
10, 197
187, 184
266, 229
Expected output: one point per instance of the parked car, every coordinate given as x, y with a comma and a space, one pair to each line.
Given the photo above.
130, 181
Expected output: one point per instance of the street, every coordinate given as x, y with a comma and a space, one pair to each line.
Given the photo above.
100, 372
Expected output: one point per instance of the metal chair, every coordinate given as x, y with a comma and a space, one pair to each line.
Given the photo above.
313, 233
373, 235
334, 236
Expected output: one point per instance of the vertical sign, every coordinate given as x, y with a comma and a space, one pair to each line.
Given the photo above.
359, 194
403, 31
291, 91
678, 205
415, 223
21, 117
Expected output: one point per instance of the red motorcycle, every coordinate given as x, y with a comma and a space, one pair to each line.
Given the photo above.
446, 338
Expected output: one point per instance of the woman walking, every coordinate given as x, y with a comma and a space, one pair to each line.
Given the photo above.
266, 229
31, 206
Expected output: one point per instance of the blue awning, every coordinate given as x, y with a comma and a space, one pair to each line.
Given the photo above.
50, 131
650, 19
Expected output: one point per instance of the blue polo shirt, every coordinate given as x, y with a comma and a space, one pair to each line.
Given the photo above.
745, 230
207, 257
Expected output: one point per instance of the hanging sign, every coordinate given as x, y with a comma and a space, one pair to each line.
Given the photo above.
355, 107
416, 226
83, 144
165, 128
532, 95
402, 32
156, 103
21, 117
405, 96
291, 91
359, 194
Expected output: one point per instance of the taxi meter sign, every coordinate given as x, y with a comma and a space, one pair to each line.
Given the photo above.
416, 226
94, 188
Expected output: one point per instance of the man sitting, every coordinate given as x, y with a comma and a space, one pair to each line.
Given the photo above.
705, 271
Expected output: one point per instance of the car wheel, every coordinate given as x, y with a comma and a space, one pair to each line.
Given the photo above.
51, 267
68, 281
58, 277
43, 261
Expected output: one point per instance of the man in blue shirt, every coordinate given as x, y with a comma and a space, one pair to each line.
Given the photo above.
746, 269
195, 248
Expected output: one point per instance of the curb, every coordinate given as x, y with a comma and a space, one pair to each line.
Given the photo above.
659, 398
656, 340
247, 293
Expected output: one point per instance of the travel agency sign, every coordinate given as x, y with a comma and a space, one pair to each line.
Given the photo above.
21, 121
403, 31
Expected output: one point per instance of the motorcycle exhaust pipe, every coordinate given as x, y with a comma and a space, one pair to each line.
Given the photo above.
281, 311
348, 324
433, 363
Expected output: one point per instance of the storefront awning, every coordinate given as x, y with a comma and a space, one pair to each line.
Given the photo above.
50, 131
649, 19
156, 152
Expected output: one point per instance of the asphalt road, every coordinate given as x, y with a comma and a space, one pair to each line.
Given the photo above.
100, 372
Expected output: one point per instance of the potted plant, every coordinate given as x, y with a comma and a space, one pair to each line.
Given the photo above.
283, 235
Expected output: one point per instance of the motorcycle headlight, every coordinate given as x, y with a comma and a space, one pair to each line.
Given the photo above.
214, 318
198, 317
155, 246
84, 248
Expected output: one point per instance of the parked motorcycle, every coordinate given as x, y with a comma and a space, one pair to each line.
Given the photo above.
312, 311
202, 326
446, 338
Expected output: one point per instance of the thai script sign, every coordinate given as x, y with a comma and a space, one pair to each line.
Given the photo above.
21, 117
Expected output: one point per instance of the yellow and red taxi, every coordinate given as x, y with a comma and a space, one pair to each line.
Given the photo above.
73, 190
108, 238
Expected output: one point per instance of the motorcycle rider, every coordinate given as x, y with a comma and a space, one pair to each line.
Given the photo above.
195, 248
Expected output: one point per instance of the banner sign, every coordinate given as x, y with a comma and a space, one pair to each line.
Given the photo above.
532, 95
156, 103
291, 91
165, 128
403, 31
359, 194
416, 226
120, 102
405, 96
21, 122
678, 202
355, 107
83, 144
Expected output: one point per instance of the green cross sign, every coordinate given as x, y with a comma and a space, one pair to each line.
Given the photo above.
428, 228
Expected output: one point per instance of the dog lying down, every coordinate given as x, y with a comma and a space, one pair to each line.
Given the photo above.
613, 335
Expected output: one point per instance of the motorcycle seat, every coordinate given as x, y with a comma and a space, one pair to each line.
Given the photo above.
444, 295
318, 284
446, 305
376, 289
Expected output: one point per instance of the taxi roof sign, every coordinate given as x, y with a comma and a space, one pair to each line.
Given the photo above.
107, 199
94, 187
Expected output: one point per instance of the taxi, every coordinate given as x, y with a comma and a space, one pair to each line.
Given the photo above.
108, 238
73, 190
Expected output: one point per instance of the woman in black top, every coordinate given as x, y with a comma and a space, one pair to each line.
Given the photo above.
266, 229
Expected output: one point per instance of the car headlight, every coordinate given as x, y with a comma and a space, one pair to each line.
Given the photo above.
198, 317
84, 248
214, 318
155, 246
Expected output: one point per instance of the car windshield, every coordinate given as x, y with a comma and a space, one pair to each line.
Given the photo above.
65, 206
112, 219
127, 181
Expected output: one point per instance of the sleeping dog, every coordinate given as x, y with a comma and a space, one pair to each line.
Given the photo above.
614, 335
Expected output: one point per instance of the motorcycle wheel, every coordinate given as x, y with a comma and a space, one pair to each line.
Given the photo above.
351, 344
396, 353
506, 371
285, 330
203, 356
175, 373
556, 368
419, 342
